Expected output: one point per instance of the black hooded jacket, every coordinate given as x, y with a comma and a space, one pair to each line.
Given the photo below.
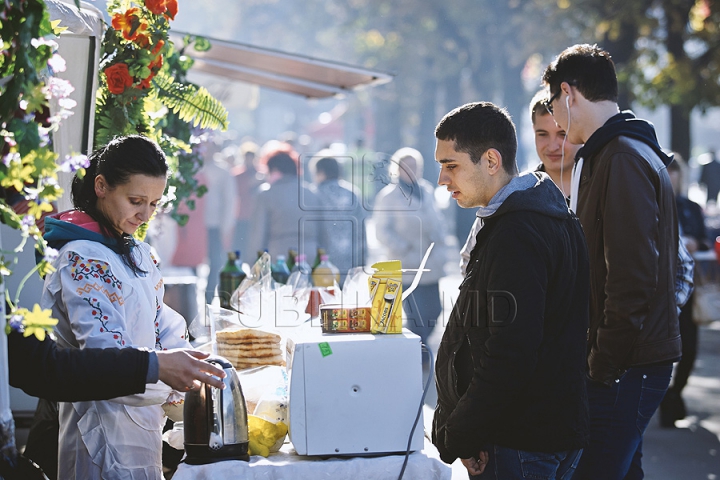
511, 364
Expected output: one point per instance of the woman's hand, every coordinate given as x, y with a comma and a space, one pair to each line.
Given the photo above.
185, 369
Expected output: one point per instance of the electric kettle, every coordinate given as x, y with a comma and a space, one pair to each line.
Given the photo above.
215, 420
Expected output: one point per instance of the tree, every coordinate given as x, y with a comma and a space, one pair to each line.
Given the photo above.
682, 64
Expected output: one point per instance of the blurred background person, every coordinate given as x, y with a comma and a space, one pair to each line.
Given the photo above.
218, 213
341, 233
247, 180
710, 175
406, 222
285, 211
691, 224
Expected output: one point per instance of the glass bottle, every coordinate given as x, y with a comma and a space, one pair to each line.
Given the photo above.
279, 270
292, 256
231, 276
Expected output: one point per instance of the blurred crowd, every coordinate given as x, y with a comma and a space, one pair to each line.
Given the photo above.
358, 206
361, 207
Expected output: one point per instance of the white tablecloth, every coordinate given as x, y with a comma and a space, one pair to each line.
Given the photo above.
287, 465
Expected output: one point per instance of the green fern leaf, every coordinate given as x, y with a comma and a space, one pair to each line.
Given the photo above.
191, 103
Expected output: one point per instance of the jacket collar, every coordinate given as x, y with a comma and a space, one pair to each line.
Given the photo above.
624, 124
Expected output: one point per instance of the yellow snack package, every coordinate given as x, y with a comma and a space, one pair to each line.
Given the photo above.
385, 286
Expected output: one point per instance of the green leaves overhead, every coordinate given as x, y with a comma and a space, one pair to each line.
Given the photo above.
191, 103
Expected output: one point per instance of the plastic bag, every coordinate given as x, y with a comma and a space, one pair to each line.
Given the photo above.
261, 302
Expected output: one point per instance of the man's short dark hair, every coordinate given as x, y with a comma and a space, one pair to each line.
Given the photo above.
586, 67
283, 163
329, 167
477, 127
537, 105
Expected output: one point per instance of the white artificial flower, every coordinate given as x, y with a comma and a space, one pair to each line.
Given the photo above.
50, 254
57, 63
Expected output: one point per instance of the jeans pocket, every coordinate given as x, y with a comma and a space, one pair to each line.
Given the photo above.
538, 465
651, 394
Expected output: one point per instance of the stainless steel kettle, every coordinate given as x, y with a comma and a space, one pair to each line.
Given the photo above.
215, 420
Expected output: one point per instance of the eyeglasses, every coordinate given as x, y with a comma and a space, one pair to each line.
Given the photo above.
548, 103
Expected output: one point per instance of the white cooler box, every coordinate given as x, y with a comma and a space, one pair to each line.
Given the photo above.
354, 394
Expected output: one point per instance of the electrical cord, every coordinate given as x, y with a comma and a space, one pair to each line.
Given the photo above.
431, 374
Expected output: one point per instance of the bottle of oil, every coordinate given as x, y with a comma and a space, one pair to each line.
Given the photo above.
320, 253
325, 274
231, 276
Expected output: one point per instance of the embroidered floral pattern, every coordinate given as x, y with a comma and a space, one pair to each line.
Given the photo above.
98, 315
88, 269
158, 343
157, 264
95, 276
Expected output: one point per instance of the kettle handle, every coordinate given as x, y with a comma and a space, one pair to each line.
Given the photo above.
220, 361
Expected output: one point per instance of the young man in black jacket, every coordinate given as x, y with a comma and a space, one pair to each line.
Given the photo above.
622, 194
511, 365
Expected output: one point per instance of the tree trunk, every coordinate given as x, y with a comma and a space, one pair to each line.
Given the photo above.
622, 49
676, 17
680, 130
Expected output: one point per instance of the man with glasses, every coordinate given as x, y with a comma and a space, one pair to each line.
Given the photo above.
623, 197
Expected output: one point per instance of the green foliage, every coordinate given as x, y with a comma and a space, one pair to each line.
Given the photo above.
191, 103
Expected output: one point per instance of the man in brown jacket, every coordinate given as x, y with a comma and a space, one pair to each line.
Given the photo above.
622, 194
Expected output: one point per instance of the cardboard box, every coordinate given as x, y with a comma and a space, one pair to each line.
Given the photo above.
339, 319
386, 293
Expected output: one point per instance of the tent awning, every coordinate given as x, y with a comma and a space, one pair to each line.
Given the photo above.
302, 75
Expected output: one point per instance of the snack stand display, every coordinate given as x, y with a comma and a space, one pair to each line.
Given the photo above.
352, 399
286, 464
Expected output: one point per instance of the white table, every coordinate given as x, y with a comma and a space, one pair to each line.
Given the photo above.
287, 465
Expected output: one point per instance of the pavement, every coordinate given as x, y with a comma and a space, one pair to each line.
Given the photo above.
690, 451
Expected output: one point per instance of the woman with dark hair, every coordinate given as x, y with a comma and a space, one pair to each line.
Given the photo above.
106, 291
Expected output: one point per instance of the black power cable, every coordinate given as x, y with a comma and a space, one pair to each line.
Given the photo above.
422, 402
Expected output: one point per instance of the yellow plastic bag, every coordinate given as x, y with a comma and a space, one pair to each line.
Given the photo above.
263, 435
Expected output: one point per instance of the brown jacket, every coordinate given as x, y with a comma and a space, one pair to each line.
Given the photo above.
627, 209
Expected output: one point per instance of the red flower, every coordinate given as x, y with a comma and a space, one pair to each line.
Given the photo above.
130, 25
172, 8
157, 7
145, 82
118, 78
156, 49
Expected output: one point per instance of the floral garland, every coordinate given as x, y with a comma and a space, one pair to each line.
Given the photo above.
142, 87
33, 101
132, 54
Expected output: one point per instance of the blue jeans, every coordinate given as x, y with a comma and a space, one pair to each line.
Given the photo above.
509, 464
619, 416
